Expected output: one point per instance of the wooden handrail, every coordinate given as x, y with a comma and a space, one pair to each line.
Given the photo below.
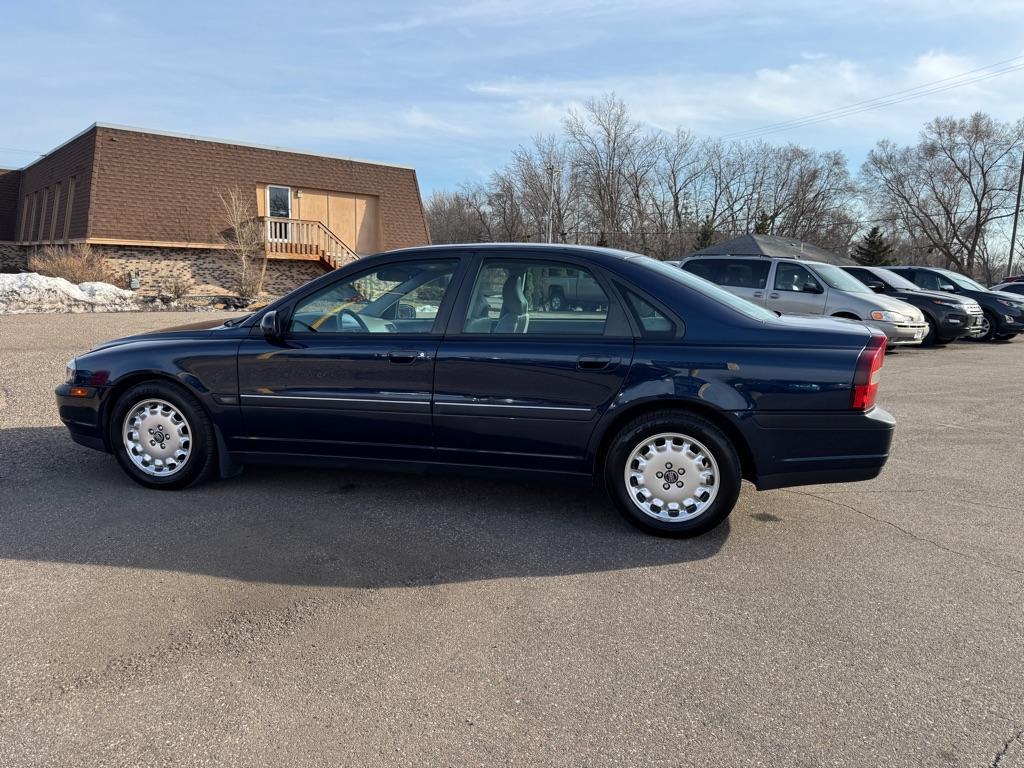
306, 237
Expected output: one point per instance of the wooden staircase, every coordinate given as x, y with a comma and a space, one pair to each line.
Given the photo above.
305, 240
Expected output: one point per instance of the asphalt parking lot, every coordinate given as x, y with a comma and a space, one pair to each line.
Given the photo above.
314, 617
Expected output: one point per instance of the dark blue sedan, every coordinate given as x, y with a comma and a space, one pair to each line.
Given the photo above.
664, 387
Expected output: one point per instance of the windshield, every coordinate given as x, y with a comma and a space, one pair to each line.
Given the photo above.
709, 289
836, 278
896, 280
963, 282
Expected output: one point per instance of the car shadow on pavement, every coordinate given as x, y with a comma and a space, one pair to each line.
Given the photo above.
63, 503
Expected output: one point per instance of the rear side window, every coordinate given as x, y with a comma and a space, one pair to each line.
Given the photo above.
744, 273
536, 298
652, 320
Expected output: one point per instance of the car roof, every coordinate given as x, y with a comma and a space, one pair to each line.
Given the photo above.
594, 252
754, 256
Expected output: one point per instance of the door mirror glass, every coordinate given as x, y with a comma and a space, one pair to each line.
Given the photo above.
812, 287
270, 324
406, 312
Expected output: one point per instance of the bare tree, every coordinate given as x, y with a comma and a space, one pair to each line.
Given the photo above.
951, 188
244, 239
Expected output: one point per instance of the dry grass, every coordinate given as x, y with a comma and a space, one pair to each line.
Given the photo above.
76, 263
178, 287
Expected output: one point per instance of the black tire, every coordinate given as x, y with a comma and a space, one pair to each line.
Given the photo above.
201, 463
1006, 336
673, 421
932, 337
990, 335
556, 301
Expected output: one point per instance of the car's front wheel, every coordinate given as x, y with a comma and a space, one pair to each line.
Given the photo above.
162, 437
987, 330
673, 473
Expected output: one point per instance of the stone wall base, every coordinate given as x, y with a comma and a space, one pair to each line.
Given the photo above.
13, 258
210, 272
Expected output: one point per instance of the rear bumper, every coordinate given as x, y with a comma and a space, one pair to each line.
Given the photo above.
812, 448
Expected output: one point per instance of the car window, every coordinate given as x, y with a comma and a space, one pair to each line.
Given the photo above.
793, 277
744, 273
652, 321
836, 278
862, 274
962, 280
894, 280
536, 298
1013, 288
932, 281
403, 297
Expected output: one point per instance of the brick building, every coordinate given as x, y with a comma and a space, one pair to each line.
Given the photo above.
151, 203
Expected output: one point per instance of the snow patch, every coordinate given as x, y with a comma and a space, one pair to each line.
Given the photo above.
29, 292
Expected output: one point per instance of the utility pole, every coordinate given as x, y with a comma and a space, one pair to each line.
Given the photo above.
551, 200
1016, 215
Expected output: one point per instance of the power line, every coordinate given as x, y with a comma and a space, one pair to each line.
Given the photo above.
897, 97
25, 151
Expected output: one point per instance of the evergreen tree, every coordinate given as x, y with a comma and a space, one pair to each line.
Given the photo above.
764, 224
705, 233
873, 250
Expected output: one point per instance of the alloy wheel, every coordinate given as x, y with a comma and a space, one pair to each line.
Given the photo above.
671, 477
157, 437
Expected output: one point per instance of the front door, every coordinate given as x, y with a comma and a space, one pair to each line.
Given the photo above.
519, 384
795, 291
353, 374
279, 206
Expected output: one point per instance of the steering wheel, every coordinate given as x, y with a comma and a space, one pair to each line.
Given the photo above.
355, 316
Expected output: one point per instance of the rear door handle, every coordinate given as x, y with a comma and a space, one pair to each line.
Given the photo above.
405, 356
758, 294
595, 362
773, 295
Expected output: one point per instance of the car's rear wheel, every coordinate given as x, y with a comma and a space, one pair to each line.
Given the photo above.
672, 473
162, 437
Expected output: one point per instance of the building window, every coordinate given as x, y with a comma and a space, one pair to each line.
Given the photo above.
23, 230
42, 214
68, 206
279, 202
53, 214
32, 219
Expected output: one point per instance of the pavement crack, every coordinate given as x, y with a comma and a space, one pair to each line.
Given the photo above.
911, 534
1018, 737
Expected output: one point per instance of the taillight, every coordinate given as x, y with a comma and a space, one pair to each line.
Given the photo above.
865, 378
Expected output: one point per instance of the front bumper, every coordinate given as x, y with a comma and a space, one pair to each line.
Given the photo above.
954, 324
1008, 323
812, 448
901, 334
81, 415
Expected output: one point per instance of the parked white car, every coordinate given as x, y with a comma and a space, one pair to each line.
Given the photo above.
797, 287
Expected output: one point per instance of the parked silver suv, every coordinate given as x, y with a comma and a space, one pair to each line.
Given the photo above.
797, 287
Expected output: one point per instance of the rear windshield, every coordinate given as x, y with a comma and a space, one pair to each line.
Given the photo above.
707, 288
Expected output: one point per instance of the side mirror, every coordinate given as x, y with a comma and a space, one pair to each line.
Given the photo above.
948, 287
812, 287
271, 325
406, 312
876, 286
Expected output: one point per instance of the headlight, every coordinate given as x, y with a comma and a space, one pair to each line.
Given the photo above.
888, 317
1011, 304
69, 371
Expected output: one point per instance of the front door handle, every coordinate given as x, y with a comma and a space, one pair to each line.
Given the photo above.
595, 362
773, 295
406, 356
758, 294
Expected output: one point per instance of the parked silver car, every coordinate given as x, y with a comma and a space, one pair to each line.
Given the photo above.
797, 287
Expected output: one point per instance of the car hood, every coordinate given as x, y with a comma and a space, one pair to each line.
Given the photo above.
195, 330
1015, 297
943, 295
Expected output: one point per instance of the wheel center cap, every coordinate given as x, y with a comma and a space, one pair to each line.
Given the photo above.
671, 476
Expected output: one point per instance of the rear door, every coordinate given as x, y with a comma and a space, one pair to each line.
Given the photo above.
353, 374
517, 384
795, 290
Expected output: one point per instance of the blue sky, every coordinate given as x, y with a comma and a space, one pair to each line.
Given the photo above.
451, 88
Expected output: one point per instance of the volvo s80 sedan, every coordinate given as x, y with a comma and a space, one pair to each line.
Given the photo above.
666, 389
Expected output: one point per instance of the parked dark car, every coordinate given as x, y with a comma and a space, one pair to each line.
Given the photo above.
1003, 316
948, 315
670, 392
1011, 286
